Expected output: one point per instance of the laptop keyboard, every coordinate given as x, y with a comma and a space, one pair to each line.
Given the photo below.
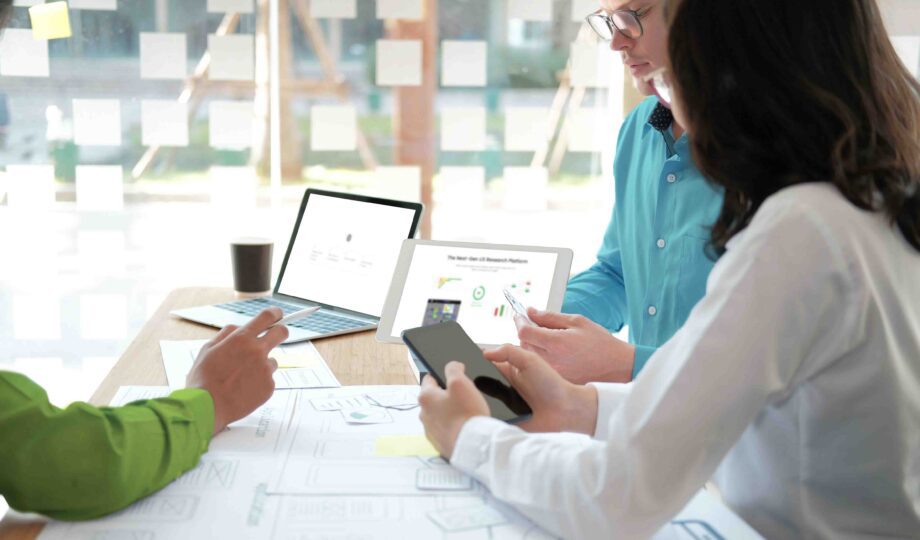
322, 322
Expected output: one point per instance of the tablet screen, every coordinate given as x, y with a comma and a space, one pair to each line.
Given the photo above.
464, 284
439, 344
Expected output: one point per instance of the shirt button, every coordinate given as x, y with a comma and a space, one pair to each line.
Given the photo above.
652, 310
672, 178
660, 243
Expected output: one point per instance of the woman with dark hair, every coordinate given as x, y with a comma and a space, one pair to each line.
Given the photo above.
795, 383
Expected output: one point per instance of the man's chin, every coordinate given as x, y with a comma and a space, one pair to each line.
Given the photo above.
643, 87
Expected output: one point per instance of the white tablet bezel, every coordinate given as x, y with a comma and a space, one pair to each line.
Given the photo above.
398, 283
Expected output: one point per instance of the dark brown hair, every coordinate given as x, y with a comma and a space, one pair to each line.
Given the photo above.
6, 12
787, 92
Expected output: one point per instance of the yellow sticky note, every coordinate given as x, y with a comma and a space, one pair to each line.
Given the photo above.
403, 446
50, 21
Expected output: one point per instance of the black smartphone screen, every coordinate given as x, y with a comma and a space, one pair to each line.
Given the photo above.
438, 344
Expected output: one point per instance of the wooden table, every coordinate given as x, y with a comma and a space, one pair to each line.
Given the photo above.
354, 358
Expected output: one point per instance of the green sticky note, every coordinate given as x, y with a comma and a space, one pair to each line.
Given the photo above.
403, 446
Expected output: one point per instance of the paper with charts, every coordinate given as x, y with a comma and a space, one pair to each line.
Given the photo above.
299, 365
310, 434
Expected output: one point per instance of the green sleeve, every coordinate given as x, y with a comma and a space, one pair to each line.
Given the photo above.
83, 462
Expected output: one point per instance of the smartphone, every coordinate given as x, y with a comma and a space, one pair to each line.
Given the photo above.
517, 306
436, 345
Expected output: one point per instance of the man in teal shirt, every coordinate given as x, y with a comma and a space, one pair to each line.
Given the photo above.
652, 266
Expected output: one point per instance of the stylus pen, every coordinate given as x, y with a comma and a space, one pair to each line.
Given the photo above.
296, 316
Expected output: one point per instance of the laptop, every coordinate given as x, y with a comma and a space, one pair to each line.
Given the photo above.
341, 257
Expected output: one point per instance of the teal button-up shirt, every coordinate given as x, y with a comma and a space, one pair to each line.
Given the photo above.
651, 269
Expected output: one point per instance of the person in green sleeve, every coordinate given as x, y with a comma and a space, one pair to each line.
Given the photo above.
652, 266
83, 462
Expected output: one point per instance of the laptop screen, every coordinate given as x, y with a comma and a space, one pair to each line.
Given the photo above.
344, 252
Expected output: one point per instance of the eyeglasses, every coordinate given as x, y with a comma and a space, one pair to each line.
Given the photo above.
661, 84
624, 21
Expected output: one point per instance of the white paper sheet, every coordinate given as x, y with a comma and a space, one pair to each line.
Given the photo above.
333, 9
593, 65
526, 188
333, 127
461, 188
163, 55
227, 495
97, 122
232, 57
179, 356
30, 186
21, 55
399, 9
463, 129
463, 63
583, 8
100, 187
230, 124
530, 10
398, 182
164, 123
107, 5
103, 317
526, 128
237, 6
589, 130
399, 62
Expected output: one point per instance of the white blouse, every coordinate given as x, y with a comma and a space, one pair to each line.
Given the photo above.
795, 382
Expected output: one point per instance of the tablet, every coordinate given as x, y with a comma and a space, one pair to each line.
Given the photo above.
436, 345
436, 282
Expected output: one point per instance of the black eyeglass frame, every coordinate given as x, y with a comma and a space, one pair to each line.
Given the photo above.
608, 20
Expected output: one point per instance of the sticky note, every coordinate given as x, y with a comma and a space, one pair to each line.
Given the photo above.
164, 123
30, 186
233, 187
99, 187
403, 446
399, 9
462, 188
103, 316
398, 182
233, 6
36, 316
232, 57
333, 9
530, 10
163, 55
583, 8
50, 21
590, 130
592, 65
108, 5
97, 122
102, 252
230, 124
526, 128
21, 55
463, 63
463, 129
333, 127
525, 188
399, 62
